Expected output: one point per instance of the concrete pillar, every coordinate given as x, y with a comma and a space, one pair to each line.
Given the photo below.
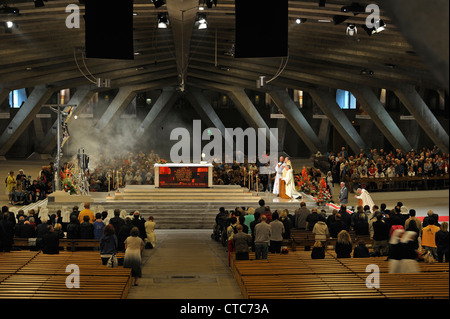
165, 102
297, 120
414, 103
24, 117
378, 114
120, 102
327, 103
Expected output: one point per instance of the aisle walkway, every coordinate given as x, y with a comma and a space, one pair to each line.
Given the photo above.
186, 264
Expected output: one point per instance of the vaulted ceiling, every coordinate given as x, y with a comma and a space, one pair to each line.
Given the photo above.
42, 50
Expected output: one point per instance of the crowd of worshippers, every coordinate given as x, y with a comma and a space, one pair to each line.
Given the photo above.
379, 163
423, 240
128, 168
75, 224
23, 190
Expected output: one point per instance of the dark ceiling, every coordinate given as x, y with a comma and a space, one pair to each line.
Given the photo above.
43, 51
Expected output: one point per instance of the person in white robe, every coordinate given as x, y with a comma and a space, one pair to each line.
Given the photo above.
290, 189
365, 197
279, 172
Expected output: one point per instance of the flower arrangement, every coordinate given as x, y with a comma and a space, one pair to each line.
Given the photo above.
304, 183
68, 186
323, 195
161, 161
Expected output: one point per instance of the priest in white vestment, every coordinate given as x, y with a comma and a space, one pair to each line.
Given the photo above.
279, 172
365, 198
290, 189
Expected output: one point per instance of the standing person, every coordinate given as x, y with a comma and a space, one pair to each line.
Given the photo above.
133, 254
6, 233
364, 199
429, 238
320, 230
344, 245
86, 212
108, 243
11, 184
279, 172
276, 238
117, 221
150, 231
380, 236
395, 251
408, 263
330, 184
263, 231
242, 241
73, 229
343, 194
98, 226
86, 228
442, 242
138, 222
300, 216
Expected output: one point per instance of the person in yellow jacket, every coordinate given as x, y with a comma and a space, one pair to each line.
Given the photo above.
428, 237
88, 212
10, 186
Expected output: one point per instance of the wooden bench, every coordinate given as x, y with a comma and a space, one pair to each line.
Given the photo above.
297, 276
37, 275
64, 243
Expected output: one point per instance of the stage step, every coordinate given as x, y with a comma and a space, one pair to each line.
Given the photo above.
183, 208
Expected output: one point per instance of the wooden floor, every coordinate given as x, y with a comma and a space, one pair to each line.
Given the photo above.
31, 274
297, 276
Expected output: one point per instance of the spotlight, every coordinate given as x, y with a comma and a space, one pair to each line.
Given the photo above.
9, 25
158, 3
379, 26
356, 8
209, 3
201, 21
351, 30
300, 20
8, 10
38, 3
366, 72
163, 22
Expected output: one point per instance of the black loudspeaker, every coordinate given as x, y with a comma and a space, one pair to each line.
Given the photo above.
109, 29
261, 28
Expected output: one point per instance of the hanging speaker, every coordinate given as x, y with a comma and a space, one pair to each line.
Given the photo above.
261, 28
109, 29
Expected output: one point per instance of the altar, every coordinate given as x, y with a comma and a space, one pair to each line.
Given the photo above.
183, 175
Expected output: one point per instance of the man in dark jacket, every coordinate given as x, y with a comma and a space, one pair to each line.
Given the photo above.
86, 228
50, 242
380, 236
312, 219
117, 221
138, 222
336, 226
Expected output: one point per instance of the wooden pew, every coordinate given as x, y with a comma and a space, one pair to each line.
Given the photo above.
37, 275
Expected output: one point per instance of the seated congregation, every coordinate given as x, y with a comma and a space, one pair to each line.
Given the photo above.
378, 232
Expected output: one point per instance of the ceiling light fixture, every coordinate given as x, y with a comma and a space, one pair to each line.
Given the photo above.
158, 3
201, 22
378, 27
209, 3
355, 7
9, 25
351, 30
9, 10
300, 20
163, 22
